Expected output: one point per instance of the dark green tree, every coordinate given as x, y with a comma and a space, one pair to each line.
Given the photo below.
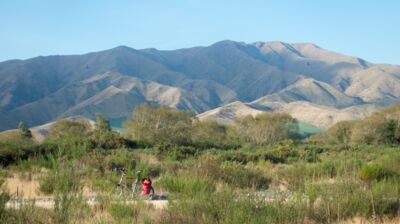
390, 128
23, 130
102, 124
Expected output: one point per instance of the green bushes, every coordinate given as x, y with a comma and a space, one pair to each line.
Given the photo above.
159, 125
186, 184
382, 168
4, 198
329, 202
12, 150
369, 173
152, 125
226, 207
124, 213
266, 128
47, 183
182, 152
210, 134
382, 127
387, 194
67, 193
237, 176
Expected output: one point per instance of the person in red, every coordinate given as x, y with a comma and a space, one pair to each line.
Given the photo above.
146, 186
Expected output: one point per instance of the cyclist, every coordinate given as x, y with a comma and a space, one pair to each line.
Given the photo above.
146, 186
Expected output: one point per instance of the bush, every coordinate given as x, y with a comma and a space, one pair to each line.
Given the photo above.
226, 207
66, 128
14, 149
182, 152
371, 172
266, 128
124, 213
186, 184
210, 134
4, 198
387, 194
335, 202
159, 125
47, 183
236, 175
232, 173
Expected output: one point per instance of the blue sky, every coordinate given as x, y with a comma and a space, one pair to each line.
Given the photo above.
368, 29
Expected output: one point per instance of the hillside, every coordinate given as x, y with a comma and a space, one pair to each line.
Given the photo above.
113, 82
317, 115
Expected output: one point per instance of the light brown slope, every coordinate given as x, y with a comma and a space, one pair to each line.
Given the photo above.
229, 112
320, 116
380, 82
313, 91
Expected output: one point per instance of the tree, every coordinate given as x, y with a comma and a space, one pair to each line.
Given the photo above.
389, 134
266, 128
23, 130
102, 124
209, 134
104, 137
341, 131
159, 125
64, 128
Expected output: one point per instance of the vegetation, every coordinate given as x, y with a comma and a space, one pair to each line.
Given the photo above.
254, 171
382, 127
24, 131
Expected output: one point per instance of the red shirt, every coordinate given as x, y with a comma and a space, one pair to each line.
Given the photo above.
146, 186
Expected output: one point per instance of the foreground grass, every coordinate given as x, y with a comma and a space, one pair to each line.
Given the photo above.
284, 183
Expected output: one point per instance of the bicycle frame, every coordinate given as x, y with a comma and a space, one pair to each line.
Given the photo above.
135, 189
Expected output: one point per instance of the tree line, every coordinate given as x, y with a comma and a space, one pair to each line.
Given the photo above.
154, 125
381, 127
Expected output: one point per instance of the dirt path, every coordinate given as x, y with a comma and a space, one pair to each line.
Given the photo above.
48, 203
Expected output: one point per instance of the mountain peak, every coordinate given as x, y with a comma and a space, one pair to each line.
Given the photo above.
196, 79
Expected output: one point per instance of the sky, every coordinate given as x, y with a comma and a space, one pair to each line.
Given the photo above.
364, 28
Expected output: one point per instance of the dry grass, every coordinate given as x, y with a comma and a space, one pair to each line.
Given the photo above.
23, 186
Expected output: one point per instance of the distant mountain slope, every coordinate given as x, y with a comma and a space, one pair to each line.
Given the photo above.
313, 91
111, 93
229, 112
320, 116
198, 79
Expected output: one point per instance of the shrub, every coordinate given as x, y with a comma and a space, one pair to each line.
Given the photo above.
182, 152
231, 173
186, 184
159, 125
371, 172
337, 201
4, 197
266, 128
124, 213
210, 134
65, 128
227, 207
14, 149
386, 195
47, 183
238, 176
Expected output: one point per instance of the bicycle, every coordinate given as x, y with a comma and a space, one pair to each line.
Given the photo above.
122, 190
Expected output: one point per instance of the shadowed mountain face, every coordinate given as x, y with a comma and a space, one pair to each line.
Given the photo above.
114, 81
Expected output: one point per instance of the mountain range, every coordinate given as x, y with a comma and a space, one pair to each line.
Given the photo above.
221, 81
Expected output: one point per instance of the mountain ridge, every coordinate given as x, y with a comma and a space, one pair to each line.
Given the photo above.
198, 79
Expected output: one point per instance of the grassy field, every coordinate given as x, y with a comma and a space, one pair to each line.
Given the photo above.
285, 183
219, 175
